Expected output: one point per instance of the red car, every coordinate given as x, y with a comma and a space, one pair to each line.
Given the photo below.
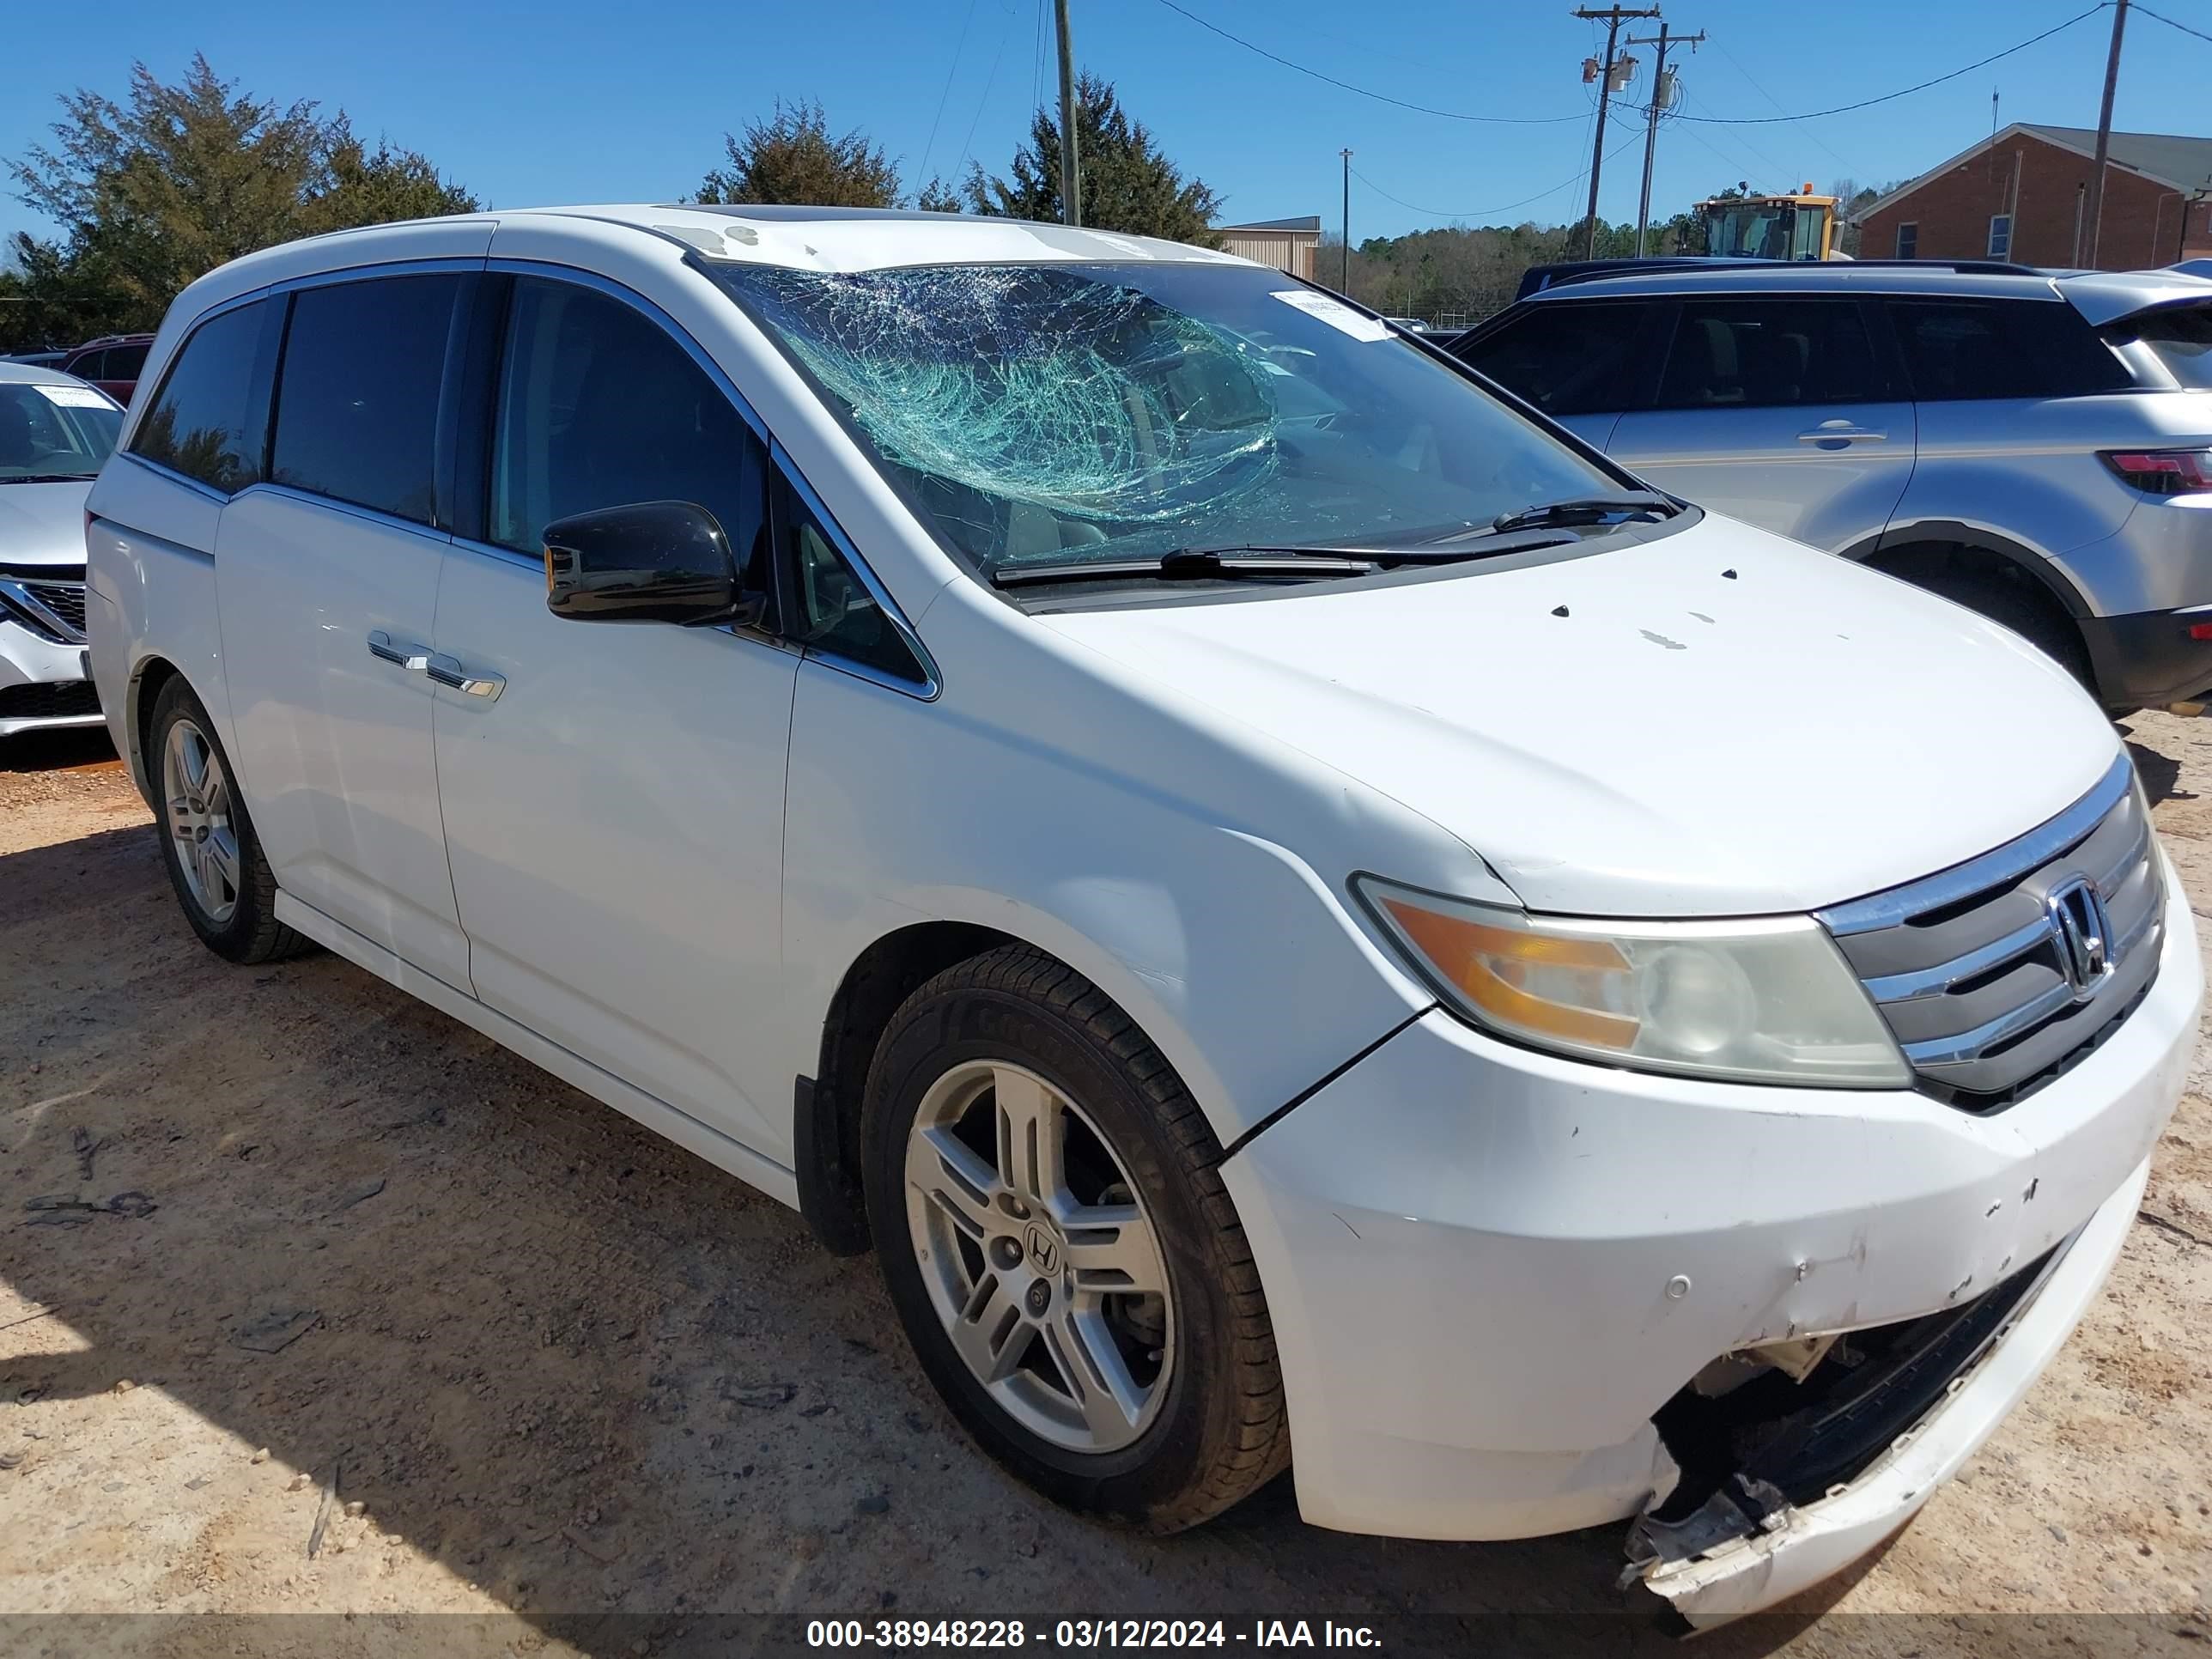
112, 363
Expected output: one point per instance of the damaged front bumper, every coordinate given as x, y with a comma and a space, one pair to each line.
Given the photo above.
1490, 1271
1748, 1546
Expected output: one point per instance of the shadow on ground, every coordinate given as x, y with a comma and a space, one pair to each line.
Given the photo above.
56, 749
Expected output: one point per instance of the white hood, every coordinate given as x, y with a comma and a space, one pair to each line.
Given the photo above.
1682, 741
43, 523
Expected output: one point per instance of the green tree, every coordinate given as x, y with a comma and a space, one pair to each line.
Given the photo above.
937, 196
1128, 184
150, 193
794, 157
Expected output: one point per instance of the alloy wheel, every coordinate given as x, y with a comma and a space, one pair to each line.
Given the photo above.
198, 794
1039, 1257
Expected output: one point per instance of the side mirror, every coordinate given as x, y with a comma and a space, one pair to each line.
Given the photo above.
647, 561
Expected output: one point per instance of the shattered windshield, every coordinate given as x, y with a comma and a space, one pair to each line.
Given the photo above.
1056, 412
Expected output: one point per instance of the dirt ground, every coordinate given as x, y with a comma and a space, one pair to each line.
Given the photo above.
579, 1385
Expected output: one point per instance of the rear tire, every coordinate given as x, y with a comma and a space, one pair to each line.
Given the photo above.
222, 882
1007, 1093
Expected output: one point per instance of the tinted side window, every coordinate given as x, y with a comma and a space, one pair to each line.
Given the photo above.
124, 363
93, 365
1750, 354
2003, 349
597, 407
210, 417
832, 609
1566, 358
358, 400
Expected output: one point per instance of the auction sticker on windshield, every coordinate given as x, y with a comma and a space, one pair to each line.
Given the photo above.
1337, 314
74, 397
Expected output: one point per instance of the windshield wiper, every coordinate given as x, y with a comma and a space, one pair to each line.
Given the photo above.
1200, 564
51, 477
1587, 509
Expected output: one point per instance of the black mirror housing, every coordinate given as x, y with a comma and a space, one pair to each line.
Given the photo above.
645, 562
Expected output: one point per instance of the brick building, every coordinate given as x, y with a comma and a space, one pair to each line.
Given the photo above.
2021, 195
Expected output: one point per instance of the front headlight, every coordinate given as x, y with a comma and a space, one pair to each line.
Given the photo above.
1762, 1001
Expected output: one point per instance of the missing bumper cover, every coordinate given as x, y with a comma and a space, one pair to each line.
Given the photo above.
1750, 1452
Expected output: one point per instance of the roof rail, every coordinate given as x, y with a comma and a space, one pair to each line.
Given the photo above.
1968, 267
1540, 279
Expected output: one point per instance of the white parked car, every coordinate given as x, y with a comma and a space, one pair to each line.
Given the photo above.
1303, 914
55, 431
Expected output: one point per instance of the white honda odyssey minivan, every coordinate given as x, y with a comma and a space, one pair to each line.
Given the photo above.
1309, 919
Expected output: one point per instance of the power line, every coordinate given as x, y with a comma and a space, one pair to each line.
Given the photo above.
1363, 92
1889, 97
959, 46
1777, 176
1722, 45
1006, 33
2170, 23
1036, 71
1485, 213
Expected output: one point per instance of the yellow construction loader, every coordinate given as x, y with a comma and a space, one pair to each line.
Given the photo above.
1790, 227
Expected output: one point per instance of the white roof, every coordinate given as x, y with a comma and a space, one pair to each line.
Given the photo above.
800, 238
869, 239
33, 374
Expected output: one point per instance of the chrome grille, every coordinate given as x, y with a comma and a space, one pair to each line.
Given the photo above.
64, 599
1997, 974
50, 602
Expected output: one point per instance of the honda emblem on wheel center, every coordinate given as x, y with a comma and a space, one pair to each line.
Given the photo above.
1043, 1249
2081, 934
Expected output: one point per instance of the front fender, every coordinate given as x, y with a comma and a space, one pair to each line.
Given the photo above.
1238, 959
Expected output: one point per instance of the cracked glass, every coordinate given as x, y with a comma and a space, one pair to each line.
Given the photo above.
1044, 413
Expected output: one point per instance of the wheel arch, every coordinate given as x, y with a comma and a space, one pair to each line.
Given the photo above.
1931, 552
143, 691
826, 1106
1903, 546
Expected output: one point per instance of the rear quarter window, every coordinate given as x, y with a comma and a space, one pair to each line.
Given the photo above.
210, 419
1956, 349
1567, 357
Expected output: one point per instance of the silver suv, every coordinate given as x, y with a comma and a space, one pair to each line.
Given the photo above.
2037, 446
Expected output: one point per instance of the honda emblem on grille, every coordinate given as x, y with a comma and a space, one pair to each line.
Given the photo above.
2080, 930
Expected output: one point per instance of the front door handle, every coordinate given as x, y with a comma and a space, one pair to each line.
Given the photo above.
1841, 432
447, 671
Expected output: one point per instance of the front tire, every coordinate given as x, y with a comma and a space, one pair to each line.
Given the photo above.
222, 882
1046, 1198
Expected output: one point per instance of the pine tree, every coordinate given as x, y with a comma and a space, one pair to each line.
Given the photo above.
150, 193
795, 158
1128, 184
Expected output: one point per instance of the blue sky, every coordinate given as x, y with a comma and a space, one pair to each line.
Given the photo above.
561, 101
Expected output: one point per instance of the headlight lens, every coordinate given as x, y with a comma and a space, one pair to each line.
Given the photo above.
1765, 1001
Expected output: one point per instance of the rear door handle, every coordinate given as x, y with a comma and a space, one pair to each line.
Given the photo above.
1841, 432
382, 647
447, 671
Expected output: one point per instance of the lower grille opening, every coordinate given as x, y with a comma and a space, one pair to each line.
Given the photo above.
64, 701
1769, 1441
1995, 1100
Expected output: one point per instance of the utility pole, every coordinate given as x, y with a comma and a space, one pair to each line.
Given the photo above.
1661, 41
1613, 17
2096, 208
1344, 273
1071, 171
